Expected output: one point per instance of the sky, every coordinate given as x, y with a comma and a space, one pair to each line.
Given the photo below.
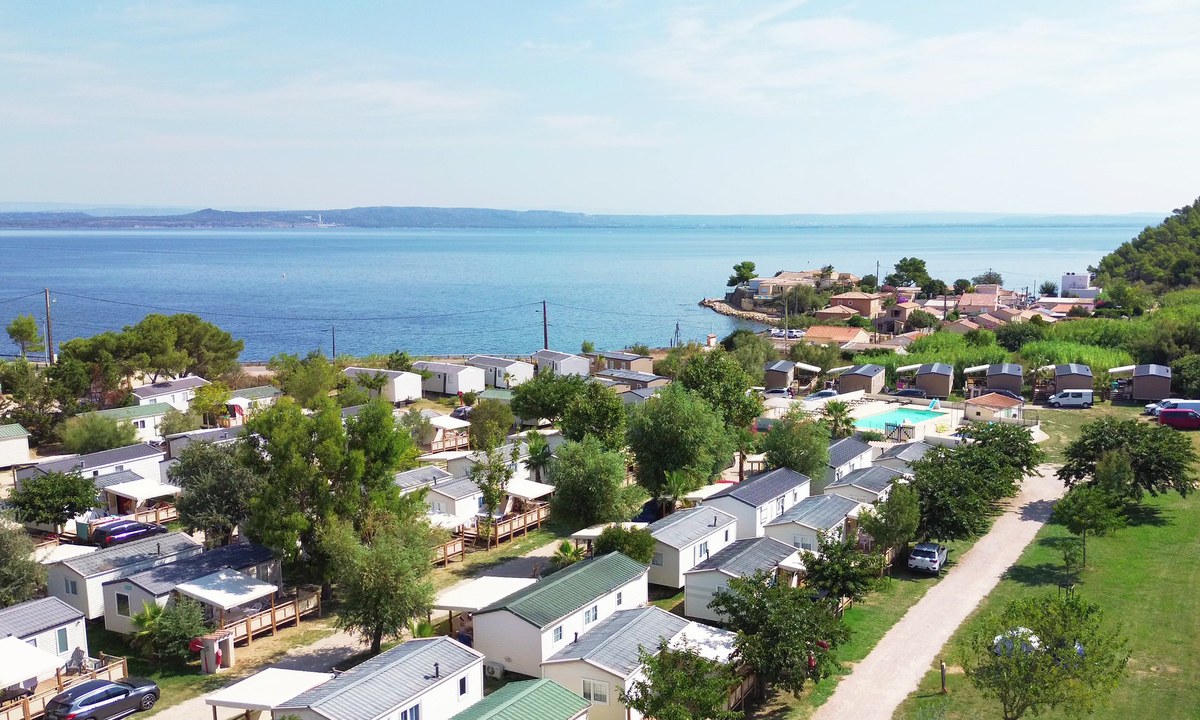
1071, 106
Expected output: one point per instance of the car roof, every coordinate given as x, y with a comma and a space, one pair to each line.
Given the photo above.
84, 688
926, 546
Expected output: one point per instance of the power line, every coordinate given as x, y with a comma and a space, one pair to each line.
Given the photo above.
22, 297
621, 313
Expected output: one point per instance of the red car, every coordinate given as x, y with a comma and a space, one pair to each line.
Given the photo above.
1180, 419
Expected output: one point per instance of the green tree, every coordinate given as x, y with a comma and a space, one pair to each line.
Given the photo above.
492, 474
21, 577
383, 578
909, 272
961, 286
23, 331
545, 395
785, 637
678, 683
798, 443
919, 319
822, 356
93, 432
678, 430
640, 349
211, 400
174, 422
1185, 376
953, 506
152, 347
589, 485
52, 498
893, 523
1074, 662
491, 422
1162, 458
400, 361
538, 454
980, 337
217, 490
1014, 335
1089, 509
211, 352
836, 416
869, 283
1012, 445
743, 272
163, 634
587, 346
991, 277
718, 378
376, 449
599, 412
840, 569
419, 427
309, 380
566, 554
1048, 288
678, 356
800, 300
933, 288
635, 543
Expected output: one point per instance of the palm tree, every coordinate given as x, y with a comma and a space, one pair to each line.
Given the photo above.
145, 622
540, 454
836, 415
568, 553
677, 484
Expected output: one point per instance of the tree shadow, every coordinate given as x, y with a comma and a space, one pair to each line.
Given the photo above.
1138, 515
1042, 575
1038, 510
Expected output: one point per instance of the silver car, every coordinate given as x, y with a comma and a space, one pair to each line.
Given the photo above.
928, 557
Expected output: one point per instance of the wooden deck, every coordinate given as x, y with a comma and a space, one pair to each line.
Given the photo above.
510, 527
445, 553
34, 706
159, 515
270, 620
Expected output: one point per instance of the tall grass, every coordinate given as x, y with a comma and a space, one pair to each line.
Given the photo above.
941, 347
1060, 352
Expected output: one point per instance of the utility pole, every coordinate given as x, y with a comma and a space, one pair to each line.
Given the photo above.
878, 281
545, 328
49, 332
333, 330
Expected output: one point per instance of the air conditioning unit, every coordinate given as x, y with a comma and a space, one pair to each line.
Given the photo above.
493, 670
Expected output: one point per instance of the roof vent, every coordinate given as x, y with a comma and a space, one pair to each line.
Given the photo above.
158, 548
437, 670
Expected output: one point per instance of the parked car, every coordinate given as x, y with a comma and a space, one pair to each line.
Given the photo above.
775, 393
1071, 398
1008, 394
1153, 408
795, 334
778, 332
103, 699
462, 412
928, 557
1176, 404
822, 394
100, 531
909, 393
116, 534
1180, 419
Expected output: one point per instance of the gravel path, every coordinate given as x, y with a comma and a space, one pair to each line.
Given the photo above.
881, 681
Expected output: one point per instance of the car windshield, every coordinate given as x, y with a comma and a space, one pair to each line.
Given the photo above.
924, 553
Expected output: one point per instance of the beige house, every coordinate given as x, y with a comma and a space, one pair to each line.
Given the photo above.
835, 312
961, 326
835, 335
991, 406
895, 317
14, 447
868, 305
867, 378
936, 379
1005, 376
623, 361
988, 321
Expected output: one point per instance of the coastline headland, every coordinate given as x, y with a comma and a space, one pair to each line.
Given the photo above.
721, 307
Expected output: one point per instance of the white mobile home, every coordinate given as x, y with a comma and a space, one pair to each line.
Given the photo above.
176, 393
818, 515
144, 418
760, 499
47, 624
141, 459
14, 446
523, 630
450, 379
424, 679
740, 559
458, 497
901, 457
398, 387
500, 372
684, 539
78, 581
561, 363
866, 485
529, 700
845, 455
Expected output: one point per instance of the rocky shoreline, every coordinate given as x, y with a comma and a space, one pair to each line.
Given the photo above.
723, 308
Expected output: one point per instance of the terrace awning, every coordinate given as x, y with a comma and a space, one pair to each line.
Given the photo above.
908, 368
20, 661
808, 368
706, 492
226, 589
1121, 370
446, 521
593, 532
144, 489
839, 370
266, 689
528, 489
974, 369
475, 594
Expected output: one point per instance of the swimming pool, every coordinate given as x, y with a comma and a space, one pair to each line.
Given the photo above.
896, 417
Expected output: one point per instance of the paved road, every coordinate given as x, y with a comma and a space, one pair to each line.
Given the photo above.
878, 684
331, 651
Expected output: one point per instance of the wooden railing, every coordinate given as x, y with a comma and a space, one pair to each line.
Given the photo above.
454, 442
446, 552
271, 619
158, 515
34, 706
509, 527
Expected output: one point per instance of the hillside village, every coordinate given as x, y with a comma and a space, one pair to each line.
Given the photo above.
565, 535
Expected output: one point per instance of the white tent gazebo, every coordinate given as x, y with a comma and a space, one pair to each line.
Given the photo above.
527, 490
265, 690
22, 663
139, 491
227, 589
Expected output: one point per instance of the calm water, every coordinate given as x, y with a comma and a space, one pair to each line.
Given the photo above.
457, 291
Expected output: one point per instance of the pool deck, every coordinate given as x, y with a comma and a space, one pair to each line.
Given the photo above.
928, 428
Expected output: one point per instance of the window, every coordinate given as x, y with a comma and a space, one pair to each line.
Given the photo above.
620, 597
438, 506
95, 473
595, 691
72, 587
462, 686
122, 604
657, 559
762, 515
141, 424
702, 551
119, 468
558, 634
801, 542
779, 507
413, 713
726, 536
61, 636
480, 501
590, 615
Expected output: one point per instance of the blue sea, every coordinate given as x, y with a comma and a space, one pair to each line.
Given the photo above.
478, 291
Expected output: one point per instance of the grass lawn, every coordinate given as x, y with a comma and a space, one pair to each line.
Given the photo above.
1063, 425
1146, 579
479, 561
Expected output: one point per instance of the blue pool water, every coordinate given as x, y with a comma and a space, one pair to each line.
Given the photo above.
895, 417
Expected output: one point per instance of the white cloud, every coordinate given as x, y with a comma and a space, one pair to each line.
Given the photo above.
582, 130
178, 17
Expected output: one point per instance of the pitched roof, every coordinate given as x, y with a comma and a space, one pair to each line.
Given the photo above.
630, 375
874, 479
213, 435
443, 367
527, 700
354, 371
820, 512
1005, 369
626, 356
566, 591
110, 479
555, 355
167, 387
614, 643
134, 412
643, 393
420, 477
995, 401
1152, 370
30, 618
162, 579
132, 553
977, 300
845, 450
685, 527
856, 295
129, 453
908, 452
1072, 369
501, 394
493, 361
780, 366
456, 488
12, 431
833, 333
837, 310
259, 392
868, 370
935, 369
761, 489
964, 323
387, 681
742, 558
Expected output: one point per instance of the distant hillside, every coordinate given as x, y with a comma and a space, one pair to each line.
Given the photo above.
428, 217
1164, 257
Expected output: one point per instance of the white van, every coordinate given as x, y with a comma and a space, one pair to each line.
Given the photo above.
1174, 404
1153, 408
1070, 398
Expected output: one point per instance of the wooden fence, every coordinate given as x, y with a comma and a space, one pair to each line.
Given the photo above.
34, 706
457, 442
443, 554
274, 617
511, 526
158, 515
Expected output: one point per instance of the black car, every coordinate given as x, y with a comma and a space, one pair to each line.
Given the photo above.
1008, 394
909, 392
103, 700
117, 533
